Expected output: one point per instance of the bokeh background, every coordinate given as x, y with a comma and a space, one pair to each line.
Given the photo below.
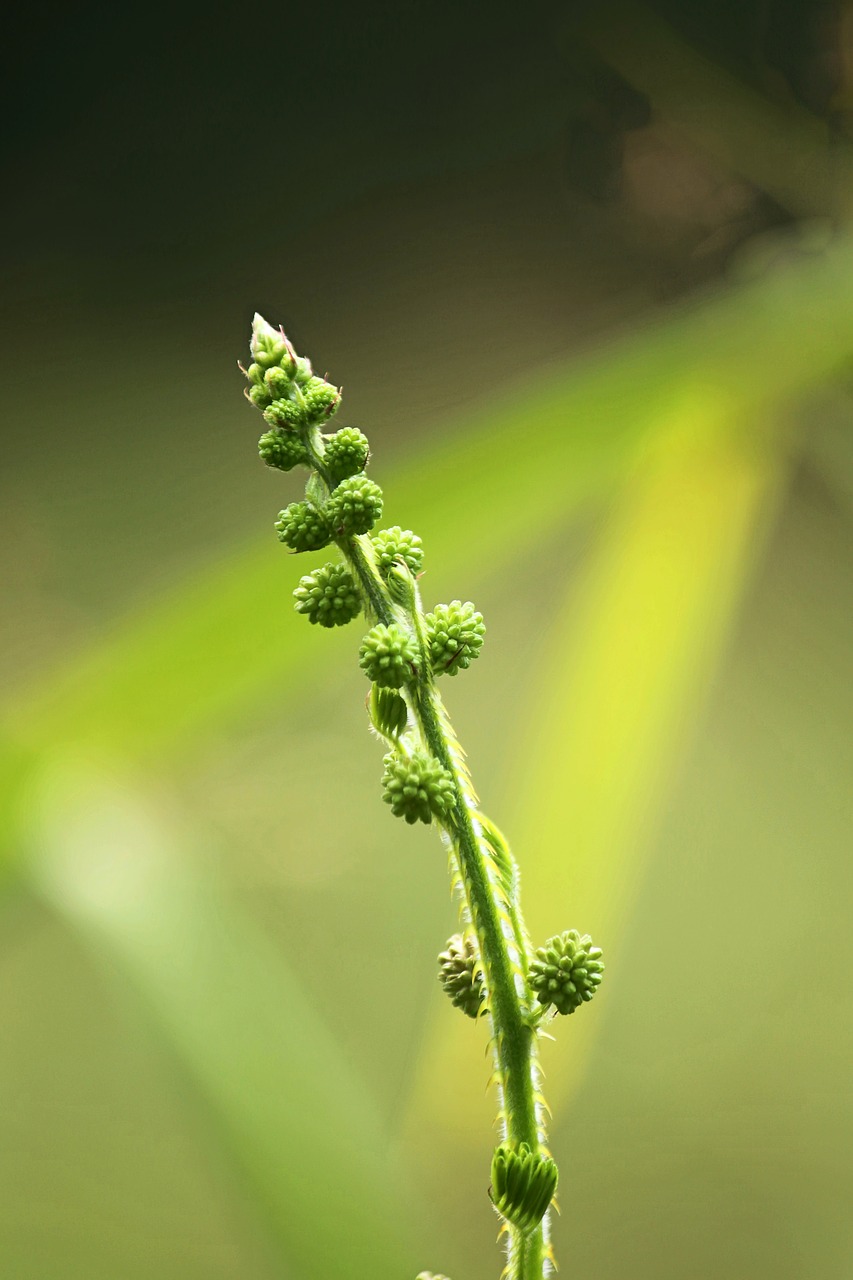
585, 274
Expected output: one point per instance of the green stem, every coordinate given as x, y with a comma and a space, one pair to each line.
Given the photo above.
494, 915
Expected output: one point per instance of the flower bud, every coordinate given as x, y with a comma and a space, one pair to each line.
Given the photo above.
280, 450
566, 971
455, 633
387, 655
346, 453
319, 401
390, 545
303, 527
459, 975
278, 382
285, 414
355, 506
417, 787
258, 395
523, 1184
268, 344
328, 596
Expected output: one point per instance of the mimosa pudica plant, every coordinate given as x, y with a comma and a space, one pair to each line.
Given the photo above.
489, 970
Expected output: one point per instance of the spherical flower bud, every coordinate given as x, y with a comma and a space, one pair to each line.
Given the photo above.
566, 971
523, 1184
268, 344
355, 506
259, 395
388, 711
278, 382
328, 596
346, 453
278, 449
417, 787
284, 414
455, 633
319, 400
303, 527
459, 975
387, 655
390, 545
254, 373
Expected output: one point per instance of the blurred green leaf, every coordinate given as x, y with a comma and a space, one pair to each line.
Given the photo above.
628, 658
303, 1130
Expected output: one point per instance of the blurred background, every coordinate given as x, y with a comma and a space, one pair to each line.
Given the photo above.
585, 274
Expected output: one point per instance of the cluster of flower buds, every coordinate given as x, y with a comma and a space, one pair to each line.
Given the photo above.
417, 787
566, 972
460, 975
405, 649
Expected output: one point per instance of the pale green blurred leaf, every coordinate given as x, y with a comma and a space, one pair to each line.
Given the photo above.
302, 1128
627, 659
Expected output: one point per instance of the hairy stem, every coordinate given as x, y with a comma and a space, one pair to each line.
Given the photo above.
491, 907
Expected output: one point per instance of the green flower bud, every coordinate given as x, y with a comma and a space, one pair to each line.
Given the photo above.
355, 506
388, 711
566, 971
303, 527
254, 373
302, 371
346, 453
387, 655
455, 632
268, 344
523, 1185
459, 974
281, 450
328, 596
284, 414
390, 545
258, 395
417, 787
319, 400
278, 382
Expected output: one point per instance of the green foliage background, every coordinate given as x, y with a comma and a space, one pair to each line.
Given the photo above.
225, 1052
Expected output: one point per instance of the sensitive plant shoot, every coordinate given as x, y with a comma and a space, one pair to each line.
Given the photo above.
490, 970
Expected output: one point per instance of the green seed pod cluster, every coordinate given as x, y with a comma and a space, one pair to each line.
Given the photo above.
455, 633
303, 527
388, 712
283, 451
566, 971
417, 787
459, 975
284, 414
391, 545
346, 453
523, 1184
355, 506
387, 655
328, 596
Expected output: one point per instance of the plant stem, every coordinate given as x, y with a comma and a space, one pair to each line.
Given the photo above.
491, 907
